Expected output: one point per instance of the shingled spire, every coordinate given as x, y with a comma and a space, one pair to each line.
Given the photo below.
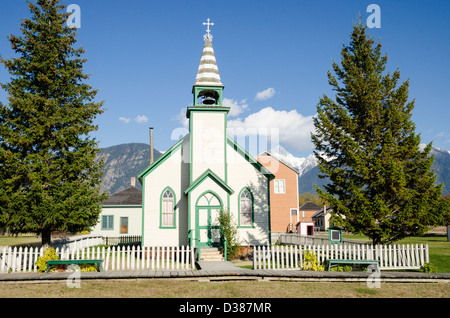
208, 73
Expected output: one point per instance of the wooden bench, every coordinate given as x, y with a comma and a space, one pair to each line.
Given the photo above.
53, 263
354, 261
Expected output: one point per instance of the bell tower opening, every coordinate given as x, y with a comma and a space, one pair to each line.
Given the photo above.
207, 96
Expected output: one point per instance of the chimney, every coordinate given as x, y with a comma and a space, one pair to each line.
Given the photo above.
151, 145
324, 209
133, 182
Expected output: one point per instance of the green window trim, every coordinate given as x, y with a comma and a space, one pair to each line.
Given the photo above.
107, 222
252, 206
214, 194
161, 226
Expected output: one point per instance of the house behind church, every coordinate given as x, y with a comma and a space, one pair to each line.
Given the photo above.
121, 214
283, 194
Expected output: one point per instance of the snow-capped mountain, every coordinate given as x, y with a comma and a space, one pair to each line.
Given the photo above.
302, 165
308, 169
128, 160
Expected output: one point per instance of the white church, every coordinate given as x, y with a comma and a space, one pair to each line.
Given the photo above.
204, 172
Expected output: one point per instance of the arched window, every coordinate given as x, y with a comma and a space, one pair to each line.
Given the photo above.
167, 208
246, 208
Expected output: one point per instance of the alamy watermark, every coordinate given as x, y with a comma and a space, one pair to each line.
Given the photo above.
374, 279
207, 138
74, 20
374, 20
74, 279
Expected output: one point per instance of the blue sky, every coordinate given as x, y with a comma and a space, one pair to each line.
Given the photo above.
143, 56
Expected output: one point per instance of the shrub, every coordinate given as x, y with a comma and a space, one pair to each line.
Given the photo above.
41, 263
88, 268
228, 230
429, 268
345, 268
310, 262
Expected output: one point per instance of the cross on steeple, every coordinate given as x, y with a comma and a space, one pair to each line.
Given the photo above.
208, 35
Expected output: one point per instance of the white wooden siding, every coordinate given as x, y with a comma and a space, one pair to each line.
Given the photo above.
208, 136
173, 172
243, 174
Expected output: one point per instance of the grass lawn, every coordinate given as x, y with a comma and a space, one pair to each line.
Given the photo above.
173, 288
19, 240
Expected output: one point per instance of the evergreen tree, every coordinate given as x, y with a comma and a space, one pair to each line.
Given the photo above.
381, 182
49, 180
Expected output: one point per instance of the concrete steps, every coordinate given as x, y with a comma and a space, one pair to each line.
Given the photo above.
210, 254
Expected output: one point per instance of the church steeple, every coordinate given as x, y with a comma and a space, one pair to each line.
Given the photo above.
208, 73
208, 87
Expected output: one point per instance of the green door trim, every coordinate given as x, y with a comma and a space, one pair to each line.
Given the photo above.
209, 227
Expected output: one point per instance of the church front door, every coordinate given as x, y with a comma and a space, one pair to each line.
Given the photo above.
207, 230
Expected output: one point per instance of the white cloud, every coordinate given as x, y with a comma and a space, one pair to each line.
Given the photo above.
124, 120
141, 119
182, 119
292, 128
236, 107
265, 94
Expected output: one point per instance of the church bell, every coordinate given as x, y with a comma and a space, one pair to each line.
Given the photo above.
209, 100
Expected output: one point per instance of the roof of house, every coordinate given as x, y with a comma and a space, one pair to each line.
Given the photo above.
266, 153
309, 206
129, 196
320, 212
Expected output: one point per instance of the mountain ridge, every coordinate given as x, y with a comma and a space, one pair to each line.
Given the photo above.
126, 161
123, 162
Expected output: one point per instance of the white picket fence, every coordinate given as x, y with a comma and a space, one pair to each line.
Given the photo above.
398, 256
114, 258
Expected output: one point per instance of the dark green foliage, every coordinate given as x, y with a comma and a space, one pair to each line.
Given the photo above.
49, 179
381, 183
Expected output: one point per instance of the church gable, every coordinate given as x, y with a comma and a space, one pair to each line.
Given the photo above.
209, 175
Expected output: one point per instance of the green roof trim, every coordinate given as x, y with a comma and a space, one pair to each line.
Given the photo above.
163, 158
258, 166
205, 108
214, 177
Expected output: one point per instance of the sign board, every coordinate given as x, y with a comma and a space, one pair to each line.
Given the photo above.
335, 234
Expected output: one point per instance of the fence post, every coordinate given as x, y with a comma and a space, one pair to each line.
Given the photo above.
422, 261
2, 259
157, 257
254, 257
277, 257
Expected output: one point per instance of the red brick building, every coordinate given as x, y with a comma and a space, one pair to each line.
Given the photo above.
283, 194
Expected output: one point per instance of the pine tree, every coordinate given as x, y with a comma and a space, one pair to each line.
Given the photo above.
49, 180
381, 182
